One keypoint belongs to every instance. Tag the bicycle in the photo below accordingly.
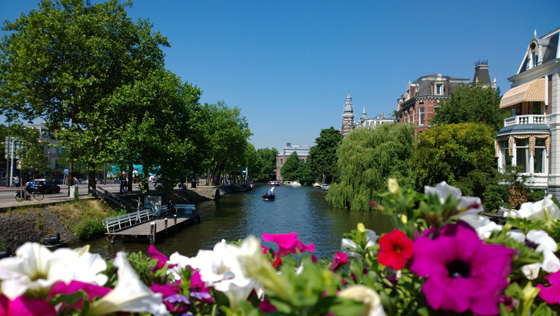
(27, 196)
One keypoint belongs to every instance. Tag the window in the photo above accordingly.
(537, 108)
(539, 164)
(421, 115)
(534, 55)
(281, 162)
(504, 159)
(439, 90)
(522, 153)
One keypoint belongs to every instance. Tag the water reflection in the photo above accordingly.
(303, 210)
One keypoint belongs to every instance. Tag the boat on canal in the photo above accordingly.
(324, 187)
(269, 195)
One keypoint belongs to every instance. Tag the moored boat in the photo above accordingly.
(316, 185)
(324, 187)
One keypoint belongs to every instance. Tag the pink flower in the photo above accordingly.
(339, 260)
(199, 289)
(551, 294)
(91, 290)
(461, 272)
(25, 306)
(161, 258)
(287, 244)
(395, 249)
(169, 292)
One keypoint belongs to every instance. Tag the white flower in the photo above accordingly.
(470, 204)
(349, 247)
(35, 267)
(544, 210)
(546, 245)
(366, 295)
(483, 225)
(180, 262)
(129, 295)
(221, 269)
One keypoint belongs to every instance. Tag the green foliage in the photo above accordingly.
(88, 229)
(305, 174)
(460, 154)
(267, 158)
(291, 166)
(472, 104)
(227, 133)
(322, 157)
(367, 157)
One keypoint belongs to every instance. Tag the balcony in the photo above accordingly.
(524, 120)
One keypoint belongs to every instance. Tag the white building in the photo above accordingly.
(348, 122)
(531, 136)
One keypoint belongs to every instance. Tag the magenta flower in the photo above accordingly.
(25, 306)
(91, 290)
(198, 288)
(551, 294)
(461, 272)
(161, 258)
(287, 244)
(169, 293)
(339, 260)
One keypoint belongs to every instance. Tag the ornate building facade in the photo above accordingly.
(531, 136)
(348, 122)
(418, 104)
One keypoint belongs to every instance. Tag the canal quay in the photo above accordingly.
(303, 210)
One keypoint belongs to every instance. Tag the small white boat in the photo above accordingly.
(316, 185)
(296, 184)
(324, 187)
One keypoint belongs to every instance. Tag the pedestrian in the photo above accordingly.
(170, 206)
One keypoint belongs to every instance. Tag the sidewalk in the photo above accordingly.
(10, 202)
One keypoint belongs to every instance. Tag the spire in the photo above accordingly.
(535, 33)
(348, 107)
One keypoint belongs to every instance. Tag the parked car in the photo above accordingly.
(42, 185)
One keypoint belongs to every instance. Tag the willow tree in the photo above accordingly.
(367, 157)
(64, 61)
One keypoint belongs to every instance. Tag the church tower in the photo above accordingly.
(347, 117)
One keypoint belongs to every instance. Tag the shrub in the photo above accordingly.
(88, 229)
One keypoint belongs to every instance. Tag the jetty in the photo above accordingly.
(151, 224)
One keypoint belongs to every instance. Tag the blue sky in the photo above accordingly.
(288, 65)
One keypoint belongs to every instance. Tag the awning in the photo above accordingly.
(528, 92)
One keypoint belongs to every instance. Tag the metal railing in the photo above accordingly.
(525, 119)
(142, 216)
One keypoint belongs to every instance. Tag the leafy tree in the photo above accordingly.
(460, 154)
(227, 134)
(268, 158)
(159, 126)
(472, 104)
(64, 61)
(367, 157)
(30, 150)
(305, 174)
(291, 166)
(322, 157)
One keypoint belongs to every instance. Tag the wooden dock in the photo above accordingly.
(145, 225)
(154, 230)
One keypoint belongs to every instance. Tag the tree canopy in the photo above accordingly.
(290, 168)
(460, 154)
(472, 104)
(65, 61)
(322, 157)
(267, 167)
(367, 157)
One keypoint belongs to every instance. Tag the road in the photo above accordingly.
(7, 199)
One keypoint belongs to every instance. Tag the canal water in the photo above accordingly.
(303, 210)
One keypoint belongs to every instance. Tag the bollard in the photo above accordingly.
(153, 232)
(175, 221)
(165, 225)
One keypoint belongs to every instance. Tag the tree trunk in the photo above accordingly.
(91, 181)
(130, 169)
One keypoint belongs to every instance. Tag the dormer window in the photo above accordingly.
(533, 55)
(439, 89)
